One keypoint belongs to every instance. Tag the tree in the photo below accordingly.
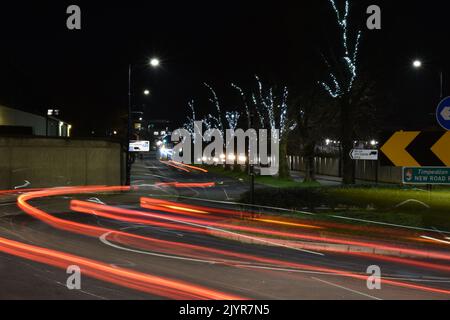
(273, 113)
(189, 125)
(215, 121)
(315, 122)
(343, 71)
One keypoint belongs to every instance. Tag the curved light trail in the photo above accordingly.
(172, 215)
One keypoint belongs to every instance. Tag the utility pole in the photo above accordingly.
(251, 167)
(128, 160)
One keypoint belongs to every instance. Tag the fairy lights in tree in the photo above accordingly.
(338, 86)
(244, 99)
(232, 118)
(273, 109)
(210, 118)
(189, 125)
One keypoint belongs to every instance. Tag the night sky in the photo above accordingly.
(84, 73)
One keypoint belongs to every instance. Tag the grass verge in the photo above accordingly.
(396, 205)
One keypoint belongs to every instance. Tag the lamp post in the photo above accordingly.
(417, 64)
(154, 62)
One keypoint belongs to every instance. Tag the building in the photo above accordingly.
(158, 130)
(17, 122)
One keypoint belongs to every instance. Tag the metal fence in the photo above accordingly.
(369, 171)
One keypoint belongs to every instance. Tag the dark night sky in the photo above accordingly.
(84, 73)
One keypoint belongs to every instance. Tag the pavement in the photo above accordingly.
(330, 181)
(164, 249)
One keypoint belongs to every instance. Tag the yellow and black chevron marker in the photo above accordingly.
(416, 149)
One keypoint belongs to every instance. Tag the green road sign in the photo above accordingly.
(426, 175)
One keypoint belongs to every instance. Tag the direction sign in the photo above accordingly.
(139, 146)
(426, 175)
(416, 149)
(364, 154)
(443, 113)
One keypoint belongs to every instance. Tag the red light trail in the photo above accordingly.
(186, 217)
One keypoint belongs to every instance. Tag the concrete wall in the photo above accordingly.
(364, 170)
(49, 162)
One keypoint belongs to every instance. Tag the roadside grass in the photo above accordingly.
(397, 205)
(263, 180)
(403, 205)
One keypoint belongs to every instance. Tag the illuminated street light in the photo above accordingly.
(417, 63)
(154, 62)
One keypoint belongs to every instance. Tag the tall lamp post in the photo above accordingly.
(154, 62)
(417, 64)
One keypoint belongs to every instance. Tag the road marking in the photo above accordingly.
(26, 184)
(389, 224)
(413, 201)
(104, 241)
(434, 239)
(241, 235)
(96, 200)
(157, 176)
(310, 213)
(347, 289)
(248, 205)
(437, 280)
(269, 242)
(226, 194)
(246, 236)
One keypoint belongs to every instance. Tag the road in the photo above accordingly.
(159, 241)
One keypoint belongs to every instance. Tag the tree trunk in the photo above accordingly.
(348, 165)
(310, 174)
(284, 165)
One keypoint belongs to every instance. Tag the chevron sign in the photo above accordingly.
(416, 149)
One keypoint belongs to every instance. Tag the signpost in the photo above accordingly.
(443, 113)
(139, 146)
(364, 154)
(426, 175)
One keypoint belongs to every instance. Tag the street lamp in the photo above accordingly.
(153, 62)
(417, 64)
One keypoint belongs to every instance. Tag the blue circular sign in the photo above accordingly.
(443, 113)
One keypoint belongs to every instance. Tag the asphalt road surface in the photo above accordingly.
(175, 246)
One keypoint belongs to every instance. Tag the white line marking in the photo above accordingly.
(438, 280)
(414, 201)
(389, 224)
(347, 289)
(26, 184)
(96, 200)
(434, 239)
(104, 241)
(245, 236)
(226, 194)
(234, 233)
(248, 205)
